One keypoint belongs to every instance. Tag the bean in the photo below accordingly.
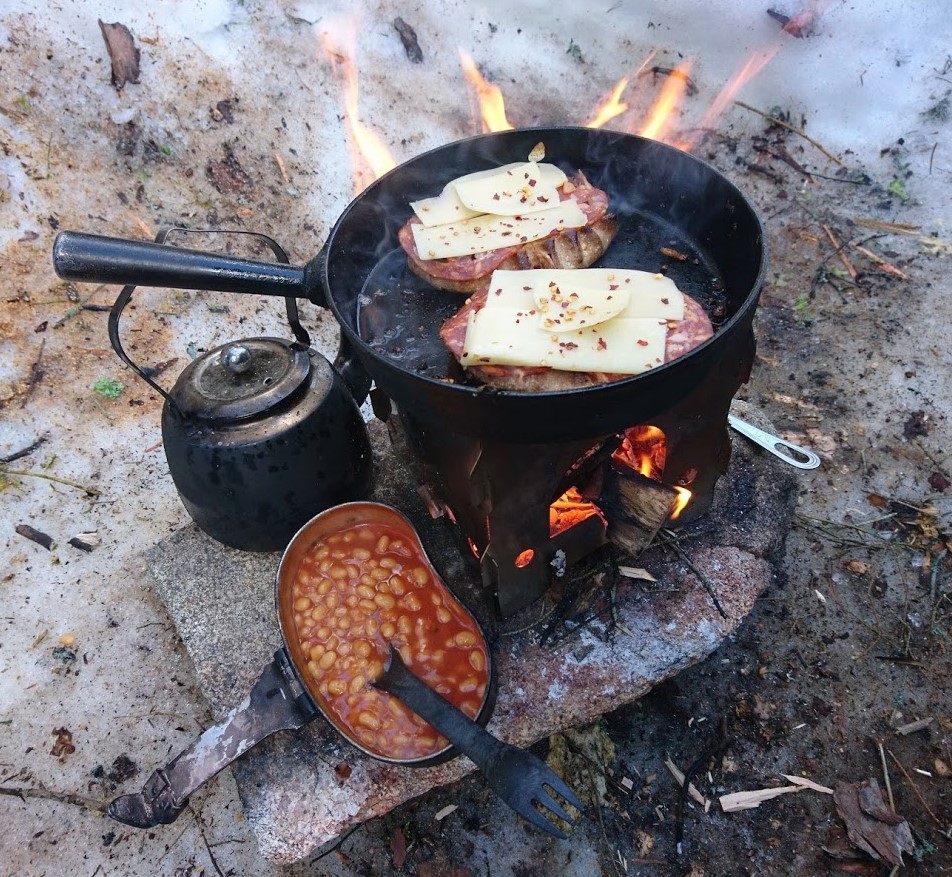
(302, 603)
(353, 571)
(387, 563)
(327, 660)
(420, 574)
(368, 720)
(343, 623)
(443, 615)
(336, 687)
(383, 543)
(469, 684)
(406, 655)
(318, 612)
(323, 633)
(466, 638)
(356, 684)
(404, 625)
(397, 586)
(339, 553)
(367, 605)
(385, 601)
(351, 601)
(337, 572)
(477, 660)
(316, 651)
(366, 591)
(322, 553)
(388, 630)
(363, 648)
(412, 602)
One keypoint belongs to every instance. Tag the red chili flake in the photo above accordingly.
(527, 288)
(496, 196)
(568, 345)
(523, 238)
(532, 182)
(642, 342)
(506, 234)
(543, 199)
(499, 291)
(602, 344)
(477, 229)
(664, 301)
(565, 304)
(613, 286)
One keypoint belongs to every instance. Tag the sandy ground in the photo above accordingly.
(850, 644)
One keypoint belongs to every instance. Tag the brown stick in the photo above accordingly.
(880, 262)
(839, 252)
(24, 792)
(915, 789)
(775, 121)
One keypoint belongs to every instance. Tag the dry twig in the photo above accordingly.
(775, 121)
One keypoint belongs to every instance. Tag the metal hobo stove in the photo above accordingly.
(529, 511)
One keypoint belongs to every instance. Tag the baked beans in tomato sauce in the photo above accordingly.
(356, 591)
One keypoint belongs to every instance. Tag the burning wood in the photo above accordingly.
(636, 506)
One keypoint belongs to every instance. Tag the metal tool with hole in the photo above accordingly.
(790, 453)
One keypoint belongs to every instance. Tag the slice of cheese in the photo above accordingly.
(514, 191)
(595, 294)
(568, 305)
(509, 336)
(447, 207)
(483, 233)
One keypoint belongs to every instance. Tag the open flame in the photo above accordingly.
(662, 112)
(492, 105)
(371, 158)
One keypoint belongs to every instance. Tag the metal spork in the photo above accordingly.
(517, 776)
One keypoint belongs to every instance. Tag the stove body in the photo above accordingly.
(501, 493)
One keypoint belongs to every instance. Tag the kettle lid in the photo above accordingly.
(241, 379)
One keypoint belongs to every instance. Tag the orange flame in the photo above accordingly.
(659, 117)
(492, 105)
(684, 497)
(371, 159)
(748, 70)
(610, 107)
(569, 509)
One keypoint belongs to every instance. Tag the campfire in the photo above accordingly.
(529, 511)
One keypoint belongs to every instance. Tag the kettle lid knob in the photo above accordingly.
(236, 358)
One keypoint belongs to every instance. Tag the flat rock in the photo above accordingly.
(301, 790)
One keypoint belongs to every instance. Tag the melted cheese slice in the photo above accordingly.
(572, 299)
(517, 190)
(510, 336)
(483, 233)
(447, 206)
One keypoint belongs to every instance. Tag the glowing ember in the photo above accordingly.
(524, 558)
(568, 510)
(644, 450)
(371, 153)
(492, 106)
(671, 93)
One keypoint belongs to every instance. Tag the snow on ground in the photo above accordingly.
(868, 75)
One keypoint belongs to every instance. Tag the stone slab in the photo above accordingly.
(301, 790)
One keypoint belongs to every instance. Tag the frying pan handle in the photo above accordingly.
(97, 259)
(277, 701)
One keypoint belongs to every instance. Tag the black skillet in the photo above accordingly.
(664, 198)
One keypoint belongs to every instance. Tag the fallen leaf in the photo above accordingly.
(122, 53)
(63, 745)
(398, 848)
(870, 825)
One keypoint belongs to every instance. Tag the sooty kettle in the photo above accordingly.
(260, 434)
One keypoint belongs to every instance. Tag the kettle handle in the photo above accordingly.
(302, 339)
